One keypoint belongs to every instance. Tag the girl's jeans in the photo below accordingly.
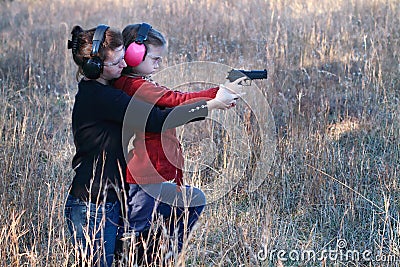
(179, 207)
(93, 229)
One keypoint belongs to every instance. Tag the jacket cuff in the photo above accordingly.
(186, 113)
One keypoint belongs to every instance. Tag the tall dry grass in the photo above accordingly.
(333, 88)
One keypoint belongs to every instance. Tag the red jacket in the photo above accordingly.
(157, 157)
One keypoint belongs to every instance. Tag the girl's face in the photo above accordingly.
(113, 64)
(152, 61)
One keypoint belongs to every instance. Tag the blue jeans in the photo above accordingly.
(164, 199)
(93, 229)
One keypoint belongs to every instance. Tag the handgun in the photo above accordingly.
(235, 74)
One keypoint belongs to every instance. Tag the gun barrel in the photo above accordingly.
(235, 74)
(255, 74)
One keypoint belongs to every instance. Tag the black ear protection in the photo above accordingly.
(93, 67)
(136, 51)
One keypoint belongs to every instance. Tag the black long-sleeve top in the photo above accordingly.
(103, 120)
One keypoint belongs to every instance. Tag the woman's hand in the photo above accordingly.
(227, 95)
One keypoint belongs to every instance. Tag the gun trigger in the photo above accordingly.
(247, 82)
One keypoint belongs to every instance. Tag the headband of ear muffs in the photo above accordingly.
(136, 51)
(93, 67)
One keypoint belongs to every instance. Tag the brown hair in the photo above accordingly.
(154, 37)
(82, 41)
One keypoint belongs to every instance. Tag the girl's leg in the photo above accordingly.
(182, 208)
(141, 202)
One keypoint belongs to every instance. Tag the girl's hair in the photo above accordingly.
(129, 34)
(82, 42)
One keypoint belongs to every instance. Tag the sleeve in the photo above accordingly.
(141, 116)
(137, 115)
(162, 96)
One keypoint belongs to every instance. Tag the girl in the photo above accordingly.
(157, 157)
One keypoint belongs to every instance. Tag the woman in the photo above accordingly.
(93, 206)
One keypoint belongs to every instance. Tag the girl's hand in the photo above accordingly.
(227, 95)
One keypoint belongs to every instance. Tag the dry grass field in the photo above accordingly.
(333, 88)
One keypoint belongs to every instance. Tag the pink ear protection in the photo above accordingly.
(136, 51)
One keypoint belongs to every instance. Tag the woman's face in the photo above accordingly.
(114, 64)
(152, 61)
